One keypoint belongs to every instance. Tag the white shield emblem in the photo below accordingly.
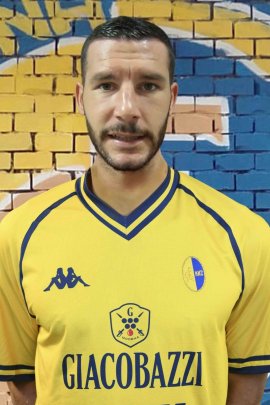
(130, 324)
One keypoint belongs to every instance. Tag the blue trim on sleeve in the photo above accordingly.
(17, 367)
(250, 370)
(17, 378)
(224, 225)
(29, 233)
(142, 224)
(127, 220)
(252, 358)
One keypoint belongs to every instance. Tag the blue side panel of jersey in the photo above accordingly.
(224, 225)
(30, 232)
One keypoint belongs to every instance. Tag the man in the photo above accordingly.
(172, 306)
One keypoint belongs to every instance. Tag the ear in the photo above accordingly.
(79, 97)
(174, 94)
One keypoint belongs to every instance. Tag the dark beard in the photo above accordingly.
(130, 128)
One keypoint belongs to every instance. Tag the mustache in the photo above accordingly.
(131, 128)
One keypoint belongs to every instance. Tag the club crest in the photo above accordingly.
(130, 324)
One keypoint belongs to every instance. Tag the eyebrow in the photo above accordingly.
(100, 76)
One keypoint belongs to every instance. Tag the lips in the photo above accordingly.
(125, 137)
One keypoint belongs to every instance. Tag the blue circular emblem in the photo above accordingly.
(193, 274)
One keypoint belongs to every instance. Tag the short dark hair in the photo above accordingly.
(128, 28)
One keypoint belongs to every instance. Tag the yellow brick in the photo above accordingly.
(85, 10)
(47, 104)
(55, 26)
(5, 122)
(264, 64)
(263, 47)
(5, 204)
(214, 29)
(24, 66)
(184, 11)
(83, 143)
(5, 30)
(21, 22)
(5, 161)
(18, 141)
(181, 25)
(71, 49)
(70, 123)
(7, 84)
(66, 84)
(251, 29)
(33, 8)
(32, 160)
(123, 8)
(158, 9)
(7, 46)
(33, 122)
(225, 14)
(55, 142)
(245, 46)
(72, 161)
(14, 181)
(54, 64)
(78, 66)
(6, 12)
(16, 103)
(34, 85)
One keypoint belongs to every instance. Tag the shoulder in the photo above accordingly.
(19, 220)
(237, 216)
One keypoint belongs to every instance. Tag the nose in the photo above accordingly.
(126, 106)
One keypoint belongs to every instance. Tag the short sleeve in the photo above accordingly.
(18, 331)
(248, 328)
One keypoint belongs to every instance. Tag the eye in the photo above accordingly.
(148, 86)
(106, 86)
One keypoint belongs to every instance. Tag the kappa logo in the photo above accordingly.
(70, 280)
(130, 324)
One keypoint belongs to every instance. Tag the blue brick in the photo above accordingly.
(193, 161)
(196, 85)
(82, 28)
(243, 70)
(263, 7)
(185, 48)
(245, 197)
(169, 157)
(7, 4)
(183, 67)
(262, 87)
(177, 146)
(262, 123)
(265, 215)
(252, 141)
(206, 146)
(263, 200)
(234, 86)
(253, 181)
(241, 124)
(263, 161)
(218, 180)
(235, 161)
(253, 105)
(213, 66)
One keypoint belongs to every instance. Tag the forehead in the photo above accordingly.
(120, 53)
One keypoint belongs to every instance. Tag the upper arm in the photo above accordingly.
(248, 327)
(245, 389)
(18, 331)
(23, 393)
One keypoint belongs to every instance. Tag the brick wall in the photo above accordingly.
(219, 132)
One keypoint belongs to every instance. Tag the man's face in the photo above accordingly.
(126, 100)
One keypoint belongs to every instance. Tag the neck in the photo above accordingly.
(125, 191)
